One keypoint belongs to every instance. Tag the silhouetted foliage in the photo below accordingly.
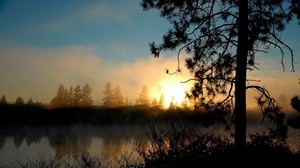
(30, 101)
(126, 103)
(108, 95)
(61, 98)
(222, 38)
(154, 102)
(143, 98)
(182, 145)
(295, 103)
(19, 101)
(77, 95)
(3, 100)
(118, 97)
(295, 121)
(86, 99)
(72, 98)
(161, 100)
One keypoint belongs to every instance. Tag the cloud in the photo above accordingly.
(85, 14)
(282, 85)
(36, 73)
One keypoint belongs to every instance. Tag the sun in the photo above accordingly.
(173, 91)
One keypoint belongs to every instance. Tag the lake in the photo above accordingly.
(115, 143)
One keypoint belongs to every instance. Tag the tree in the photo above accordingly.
(295, 121)
(161, 100)
(295, 103)
(86, 96)
(126, 101)
(3, 100)
(118, 98)
(108, 95)
(77, 96)
(143, 96)
(70, 97)
(19, 101)
(61, 98)
(154, 102)
(30, 101)
(222, 38)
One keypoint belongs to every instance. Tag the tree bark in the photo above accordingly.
(240, 80)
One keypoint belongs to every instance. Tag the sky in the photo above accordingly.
(46, 43)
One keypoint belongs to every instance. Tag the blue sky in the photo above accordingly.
(46, 43)
(118, 29)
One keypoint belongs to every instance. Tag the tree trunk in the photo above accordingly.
(240, 80)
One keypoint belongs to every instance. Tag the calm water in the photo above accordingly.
(113, 142)
(117, 142)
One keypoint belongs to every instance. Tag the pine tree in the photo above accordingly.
(118, 99)
(108, 95)
(154, 102)
(61, 98)
(143, 96)
(161, 100)
(77, 96)
(30, 101)
(19, 101)
(86, 96)
(70, 97)
(222, 38)
(3, 100)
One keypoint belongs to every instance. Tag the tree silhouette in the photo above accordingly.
(30, 101)
(3, 100)
(19, 101)
(77, 96)
(61, 98)
(161, 100)
(154, 102)
(295, 103)
(222, 38)
(70, 96)
(108, 95)
(143, 96)
(86, 99)
(295, 120)
(126, 103)
(118, 98)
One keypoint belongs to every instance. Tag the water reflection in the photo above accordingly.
(115, 142)
(69, 141)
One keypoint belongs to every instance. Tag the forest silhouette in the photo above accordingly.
(223, 39)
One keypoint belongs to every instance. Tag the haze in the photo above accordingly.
(47, 43)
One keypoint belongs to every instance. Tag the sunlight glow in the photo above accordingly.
(173, 91)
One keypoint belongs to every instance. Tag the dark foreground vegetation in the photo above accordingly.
(176, 144)
(184, 146)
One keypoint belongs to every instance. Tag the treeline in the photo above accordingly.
(81, 97)
(114, 97)
(78, 97)
(19, 101)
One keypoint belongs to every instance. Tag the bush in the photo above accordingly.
(185, 146)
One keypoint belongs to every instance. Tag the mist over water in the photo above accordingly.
(112, 142)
